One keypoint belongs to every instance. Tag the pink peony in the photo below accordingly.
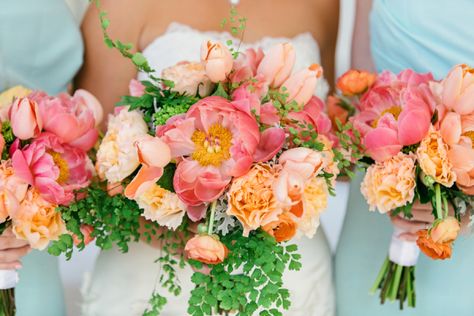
(72, 119)
(216, 141)
(53, 168)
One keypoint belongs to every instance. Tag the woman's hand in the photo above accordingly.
(12, 250)
(422, 219)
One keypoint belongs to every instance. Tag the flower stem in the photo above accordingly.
(380, 276)
(210, 228)
(439, 210)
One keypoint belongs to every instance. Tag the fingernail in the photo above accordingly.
(18, 266)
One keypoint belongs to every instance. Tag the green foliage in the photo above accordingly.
(237, 25)
(9, 138)
(116, 220)
(349, 141)
(166, 180)
(260, 285)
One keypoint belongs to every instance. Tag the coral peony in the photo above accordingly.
(37, 221)
(390, 184)
(206, 249)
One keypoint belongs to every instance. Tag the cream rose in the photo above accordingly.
(117, 156)
(189, 78)
(390, 184)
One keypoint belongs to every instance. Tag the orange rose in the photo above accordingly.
(355, 82)
(251, 198)
(206, 249)
(282, 229)
(446, 230)
(431, 248)
(37, 221)
(432, 154)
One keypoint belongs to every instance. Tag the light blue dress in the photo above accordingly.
(425, 35)
(40, 48)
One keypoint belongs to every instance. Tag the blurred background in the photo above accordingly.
(75, 271)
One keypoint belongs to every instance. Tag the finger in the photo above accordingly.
(408, 226)
(408, 237)
(11, 255)
(423, 216)
(15, 265)
(422, 206)
(8, 232)
(11, 242)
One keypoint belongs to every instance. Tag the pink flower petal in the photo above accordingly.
(271, 141)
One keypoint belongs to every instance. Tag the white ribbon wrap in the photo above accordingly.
(404, 253)
(8, 279)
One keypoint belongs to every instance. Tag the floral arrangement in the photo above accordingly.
(226, 158)
(415, 139)
(44, 143)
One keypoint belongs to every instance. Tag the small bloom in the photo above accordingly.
(25, 118)
(390, 184)
(206, 249)
(431, 248)
(355, 82)
(446, 230)
(217, 60)
(283, 229)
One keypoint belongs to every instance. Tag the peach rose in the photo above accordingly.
(189, 78)
(37, 221)
(217, 60)
(431, 248)
(206, 249)
(162, 206)
(315, 201)
(283, 229)
(355, 82)
(446, 230)
(432, 154)
(251, 198)
(390, 184)
(12, 191)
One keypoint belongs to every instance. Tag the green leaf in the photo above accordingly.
(138, 59)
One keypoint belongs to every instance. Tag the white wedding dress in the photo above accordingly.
(121, 284)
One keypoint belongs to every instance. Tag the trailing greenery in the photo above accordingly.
(250, 278)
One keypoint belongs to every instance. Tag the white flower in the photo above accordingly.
(117, 156)
(162, 206)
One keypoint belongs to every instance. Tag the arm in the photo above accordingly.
(105, 72)
(361, 55)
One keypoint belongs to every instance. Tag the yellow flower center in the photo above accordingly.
(61, 163)
(470, 134)
(394, 110)
(214, 147)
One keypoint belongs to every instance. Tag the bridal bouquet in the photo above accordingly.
(416, 134)
(44, 143)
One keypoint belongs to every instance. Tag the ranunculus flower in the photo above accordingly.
(277, 64)
(283, 229)
(206, 249)
(217, 141)
(301, 85)
(245, 67)
(217, 60)
(355, 82)
(446, 230)
(72, 119)
(25, 118)
(432, 155)
(189, 78)
(251, 198)
(395, 112)
(53, 168)
(117, 157)
(161, 206)
(86, 231)
(390, 184)
(37, 221)
(7, 97)
(431, 248)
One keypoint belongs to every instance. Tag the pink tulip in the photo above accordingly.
(56, 170)
(450, 128)
(245, 67)
(246, 101)
(25, 118)
(301, 86)
(153, 152)
(277, 64)
(145, 178)
(217, 60)
(458, 90)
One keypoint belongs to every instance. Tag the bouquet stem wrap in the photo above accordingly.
(396, 279)
(8, 281)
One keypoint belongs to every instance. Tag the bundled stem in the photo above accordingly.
(7, 301)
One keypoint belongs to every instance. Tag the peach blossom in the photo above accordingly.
(301, 85)
(217, 60)
(206, 249)
(277, 64)
(25, 118)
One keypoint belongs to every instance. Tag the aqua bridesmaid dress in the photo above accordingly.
(425, 35)
(40, 48)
